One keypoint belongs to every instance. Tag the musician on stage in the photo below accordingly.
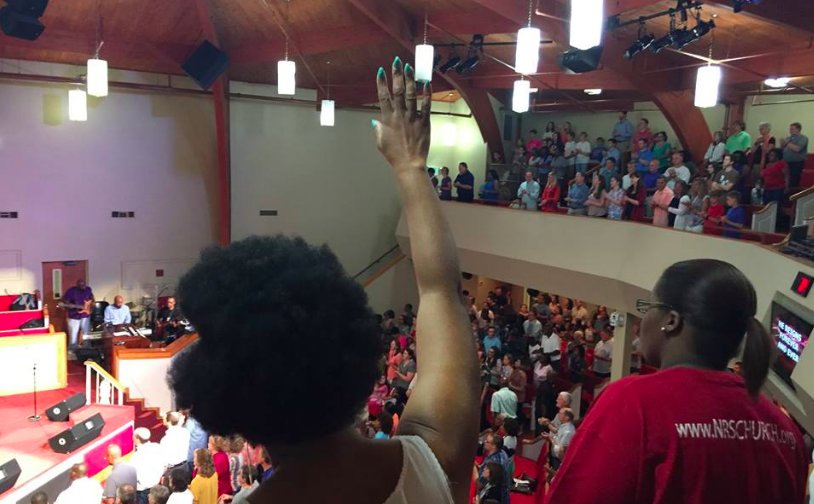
(117, 313)
(168, 319)
(79, 301)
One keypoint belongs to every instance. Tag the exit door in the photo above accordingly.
(58, 277)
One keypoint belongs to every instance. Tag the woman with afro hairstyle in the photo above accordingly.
(265, 345)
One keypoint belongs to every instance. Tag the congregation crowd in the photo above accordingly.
(636, 174)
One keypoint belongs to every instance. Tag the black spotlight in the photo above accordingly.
(663, 42)
(20, 18)
(683, 37)
(581, 61)
(472, 56)
(451, 63)
(436, 60)
(640, 45)
(703, 27)
(737, 5)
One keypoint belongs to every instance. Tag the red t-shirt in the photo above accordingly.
(774, 175)
(682, 435)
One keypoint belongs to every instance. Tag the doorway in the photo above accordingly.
(58, 277)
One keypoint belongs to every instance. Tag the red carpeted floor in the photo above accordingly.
(27, 441)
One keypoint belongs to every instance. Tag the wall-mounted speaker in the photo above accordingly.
(59, 412)
(581, 61)
(9, 472)
(19, 25)
(77, 436)
(206, 64)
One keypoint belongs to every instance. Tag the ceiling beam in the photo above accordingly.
(502, 79)
(401, 27)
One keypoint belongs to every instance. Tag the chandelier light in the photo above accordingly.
(77, 105)
(586, 23)
(424, 57)
(520, 96)
(707, 82)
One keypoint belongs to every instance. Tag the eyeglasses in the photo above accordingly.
(643, 306)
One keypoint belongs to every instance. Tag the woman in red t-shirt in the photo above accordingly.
(551, 194)
(693, 432)
(775, 177)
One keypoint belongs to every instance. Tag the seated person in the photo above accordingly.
(491, 483)
(118, 313)
(169, 319)
(735, 218)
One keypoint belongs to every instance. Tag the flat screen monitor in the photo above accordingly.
(790, 333)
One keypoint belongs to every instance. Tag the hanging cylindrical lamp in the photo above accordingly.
(520, 96)
(97, 77)
(527, 55)
(587, 17)
(707, 82)
(326, 114)
(77, 105)
(286, 77)
(424, 57)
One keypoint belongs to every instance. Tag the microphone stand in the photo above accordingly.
(35, 417)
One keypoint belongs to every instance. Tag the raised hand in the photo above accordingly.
(403, 133)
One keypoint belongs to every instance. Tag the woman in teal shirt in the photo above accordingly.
(661, 150)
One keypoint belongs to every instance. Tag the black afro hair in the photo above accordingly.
(280, 325)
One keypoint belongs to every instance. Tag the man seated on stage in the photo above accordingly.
(168, 319)
(82, 489)
(118, 313)
(78, 300)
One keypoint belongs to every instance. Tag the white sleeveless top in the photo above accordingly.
(422, 479)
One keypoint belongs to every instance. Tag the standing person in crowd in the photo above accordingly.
(218, 448)
(567, 132)
(126, 494)
(608, 170)
(529, 192)
(564, 435)
(504, 402)
(406, 370)
(661, 203)
(82, 490)
(651, 178)
(764, 143)
(465, 183)
(179, 487)
(519, 155)
(631, 169)
(534, 142)
(394, 356)
(551, 194)
(559, 166)
(735, 218)
(265, 469)
(776, 177)
(204, 485)
(122, 473)
(697, 320)
(643, 155)
(247, 481)
(532, 327)
(78, 299)
(661, 150)
(642, 133)
(739, 140)
(680, 207)
(612, 152)
(616, 199)
(149, 461)
(715, 209)
(550, 131)
(727, 178)
(622, 132)
(550, 345)
(577, 195)
(598, 151)
(583, 153)
(198, 437)
(159, 494)
(677, 171)
(493, 454)
(795, 150)
(492, 340)
(699, 201)
(570, 154)
(490, 190)
(603, 354)
(634, 198)
(236, 444)
(175, 442)
(445, 189)
(433, 177)
(716, 150)
(597, 203)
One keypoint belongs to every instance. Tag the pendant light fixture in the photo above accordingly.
(527, 54)
(326, 113)
(77, 105)
(586, 23)
(521, 96)
(97, 68)
(286, 71)
(707, 84)
(424, 57)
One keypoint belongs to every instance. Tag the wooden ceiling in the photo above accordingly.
(342, 42)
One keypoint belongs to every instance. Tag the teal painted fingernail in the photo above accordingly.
(408, 68)
(374, 123)
(380, 72)
(397, 62)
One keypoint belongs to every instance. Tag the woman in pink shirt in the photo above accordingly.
(661, 203)
(219, 446)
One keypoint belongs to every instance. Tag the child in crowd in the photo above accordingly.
(757, 192)
(735, 218)
(715, 211)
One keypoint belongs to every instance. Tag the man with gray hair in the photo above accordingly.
(159, 494)
(795, 150)
(149, 461)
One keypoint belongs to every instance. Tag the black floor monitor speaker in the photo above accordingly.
(59, 412)
(206, 64)
(9, 472)
(33, 8)
(19, 25)
(581, 61)
(77, 436)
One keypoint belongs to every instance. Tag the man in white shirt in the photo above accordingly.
(83, 490)
(631, 169)
(603, 355)
(532, 327)
(175, 442)
(583, 152)
(149, 462)
(118, 312)
(529, 192)
(550, 342)
(570, 154)
(678, 171)
(580, 312)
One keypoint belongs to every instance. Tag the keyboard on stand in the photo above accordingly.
(803, 249)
